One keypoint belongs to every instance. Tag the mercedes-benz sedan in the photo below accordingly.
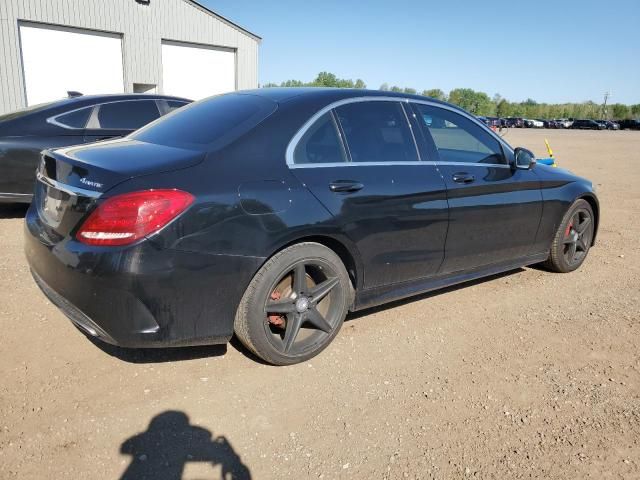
(272, 213)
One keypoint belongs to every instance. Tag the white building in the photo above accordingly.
(175, 47)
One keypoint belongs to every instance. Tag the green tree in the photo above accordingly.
(504, 109)
(635, 110)
(384, 87)
(292, 83)
(396, 89)
(360, 84)
(477, 103)
(410, 91)
(620, 111)
(435, 93)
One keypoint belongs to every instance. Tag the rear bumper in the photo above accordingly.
(140, 296)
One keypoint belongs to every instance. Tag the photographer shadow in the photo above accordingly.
(171, 442)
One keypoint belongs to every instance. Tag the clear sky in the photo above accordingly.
(551, 51)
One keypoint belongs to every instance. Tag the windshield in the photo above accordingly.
(215, 120)
(23, 111)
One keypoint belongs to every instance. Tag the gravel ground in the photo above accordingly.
(524, 375)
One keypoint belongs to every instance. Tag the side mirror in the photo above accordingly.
(525, 159)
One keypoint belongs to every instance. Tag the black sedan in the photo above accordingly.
(80, 119)
(272, 213)
(587, 125)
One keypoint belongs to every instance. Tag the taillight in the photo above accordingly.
(125, 218)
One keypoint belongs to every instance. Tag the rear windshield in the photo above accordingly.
(208, 123)
(23, 111)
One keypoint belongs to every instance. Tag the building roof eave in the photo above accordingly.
(225, 20)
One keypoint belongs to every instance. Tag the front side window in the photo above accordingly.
(127, 115)
(457, 138)
(320, 143)
(377, 131)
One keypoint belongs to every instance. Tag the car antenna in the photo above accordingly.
(73, 94)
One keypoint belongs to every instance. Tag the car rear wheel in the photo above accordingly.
(573, 239)
(295, 304)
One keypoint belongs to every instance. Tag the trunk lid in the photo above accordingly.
(71, 180)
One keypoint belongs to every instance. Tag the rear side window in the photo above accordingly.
(76, 119)
(377, 132)
(457, 138)
(174, 105)
(320, 144)
(211, 121)
(127, 115)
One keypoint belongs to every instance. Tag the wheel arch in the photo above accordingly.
(595, 206)
(348, 254)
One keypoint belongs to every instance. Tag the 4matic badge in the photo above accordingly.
(89, 183)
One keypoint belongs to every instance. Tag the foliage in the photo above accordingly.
(479, 103)
(435, 93)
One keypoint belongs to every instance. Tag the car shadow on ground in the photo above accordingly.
(13, 210)
(171, 443)
(159, 355)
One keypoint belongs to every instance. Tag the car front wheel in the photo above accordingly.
(294, 305)
(573, 238)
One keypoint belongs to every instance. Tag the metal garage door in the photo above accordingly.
(58, 59)
(197, 71)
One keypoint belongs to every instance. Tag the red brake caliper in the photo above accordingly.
(275, 319)
(569, 227)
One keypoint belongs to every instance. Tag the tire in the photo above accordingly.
(572, 241)
(295, 304)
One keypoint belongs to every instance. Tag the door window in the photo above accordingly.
(127, 115)
(377, 131)
(457, 138)
(320, 143)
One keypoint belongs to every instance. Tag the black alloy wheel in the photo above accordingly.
(295, 305)
(573, 239)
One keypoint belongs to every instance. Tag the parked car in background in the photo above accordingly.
(629, 124)
(530, 123)
(563, 122)
(587, 125)
(272, 213)
(75, 120)
(514, 122)
(609, 125)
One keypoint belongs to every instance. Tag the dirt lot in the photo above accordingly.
(528, 374)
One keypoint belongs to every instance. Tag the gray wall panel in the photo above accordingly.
(143, 28)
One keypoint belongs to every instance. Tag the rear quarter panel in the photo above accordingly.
(19, 157)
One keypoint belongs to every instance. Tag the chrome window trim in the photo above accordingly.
(293, 143)
(94, 114)
(388, 164)
(75, 191)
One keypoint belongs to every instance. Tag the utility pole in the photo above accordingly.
(604, 108)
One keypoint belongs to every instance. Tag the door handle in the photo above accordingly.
(463, 177)
(345, 186)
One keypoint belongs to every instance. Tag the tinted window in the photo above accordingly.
(174, 105)
(457, 138)
(321, 143)
(216, 119)
(77, 119)
(128, 115)
(377, 132)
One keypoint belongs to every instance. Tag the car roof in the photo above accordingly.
(330, 95)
